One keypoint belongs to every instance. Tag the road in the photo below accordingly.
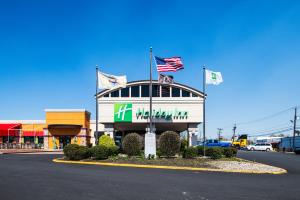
(30, 177)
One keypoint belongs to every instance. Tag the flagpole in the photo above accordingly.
(150, 91)
(96, 135)
(204, 98)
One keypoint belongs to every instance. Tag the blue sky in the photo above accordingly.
(49, 50)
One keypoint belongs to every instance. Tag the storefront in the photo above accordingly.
(61, 127)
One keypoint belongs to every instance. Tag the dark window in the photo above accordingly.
(135, 91)
(106, 95)
(185, 93)
(145, 90)
(115, 93)
(175, 92)
(165, 91)
(125, 92)
(194, 95)
(156, 91)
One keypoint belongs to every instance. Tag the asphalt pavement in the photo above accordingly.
(28, 177)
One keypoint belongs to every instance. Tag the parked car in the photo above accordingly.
(260, 147)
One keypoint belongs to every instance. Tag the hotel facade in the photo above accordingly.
(176, 107)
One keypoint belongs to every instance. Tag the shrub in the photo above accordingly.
(100, 152)
(200, 150)
(132, 144)
(169, 143)
(183, 145)
(113, 151)
(214, 152)
(76, 152)
(158, 153)
(229, 152)
(107, 141)
(190, 152)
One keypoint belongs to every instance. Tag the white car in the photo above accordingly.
(260, 147)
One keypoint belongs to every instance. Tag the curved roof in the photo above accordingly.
(141, 82)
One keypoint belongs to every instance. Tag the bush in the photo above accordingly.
(200, 150)
(132, 144)
(183, 145)
(113, 151)
(229, 152)
(107, 141)
(169, 143)
(158, 153)
(214, 152)
(190, 152)
(76, 152)
(100, 152)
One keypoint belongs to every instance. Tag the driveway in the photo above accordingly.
(30, 177)
(288, 161)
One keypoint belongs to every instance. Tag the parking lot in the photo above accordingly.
(37, 177)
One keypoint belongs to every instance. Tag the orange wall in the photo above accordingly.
(72, 118)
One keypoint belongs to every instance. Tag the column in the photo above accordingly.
(46, 138)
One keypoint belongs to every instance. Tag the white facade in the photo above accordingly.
(176, 107)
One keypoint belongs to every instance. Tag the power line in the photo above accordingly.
(265, 118)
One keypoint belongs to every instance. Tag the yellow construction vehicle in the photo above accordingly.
(241, 142)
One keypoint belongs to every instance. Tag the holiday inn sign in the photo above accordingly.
(123, 112)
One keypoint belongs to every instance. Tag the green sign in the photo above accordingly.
(162, 114)
(123, 112)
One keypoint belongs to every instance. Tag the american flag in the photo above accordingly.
(168, 64)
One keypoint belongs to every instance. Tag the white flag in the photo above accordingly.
(107, 81)
(214, 78)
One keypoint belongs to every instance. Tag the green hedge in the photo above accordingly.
(76, 152)
(214, 152)
(190, 152)
(229, 152)
(169, 143)
(100, 152)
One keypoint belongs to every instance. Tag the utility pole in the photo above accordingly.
(234, 129)
(295, 125)
(219, 133)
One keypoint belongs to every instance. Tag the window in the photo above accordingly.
(145, 91)
(185, 93)
(115, 93)
(165, 91)
(106, 95)
(194, 95)
(175, 92)
(135, 91)
(125, 92)
(156, 91)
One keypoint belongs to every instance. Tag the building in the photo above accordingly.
(61, 127)
(176, 107)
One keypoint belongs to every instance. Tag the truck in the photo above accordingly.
(241, 142)
(217, 143)
(286, 144)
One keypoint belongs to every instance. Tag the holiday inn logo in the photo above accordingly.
(123, 112)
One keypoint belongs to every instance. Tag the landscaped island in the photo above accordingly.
(172, 153)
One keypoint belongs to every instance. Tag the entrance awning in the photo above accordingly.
(9, 129)
(64, 126)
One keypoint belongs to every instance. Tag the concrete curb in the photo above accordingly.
(280, 171)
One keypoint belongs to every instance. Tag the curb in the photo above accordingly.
(281, 171)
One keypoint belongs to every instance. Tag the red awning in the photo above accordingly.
(9, 129)
(33, 133)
